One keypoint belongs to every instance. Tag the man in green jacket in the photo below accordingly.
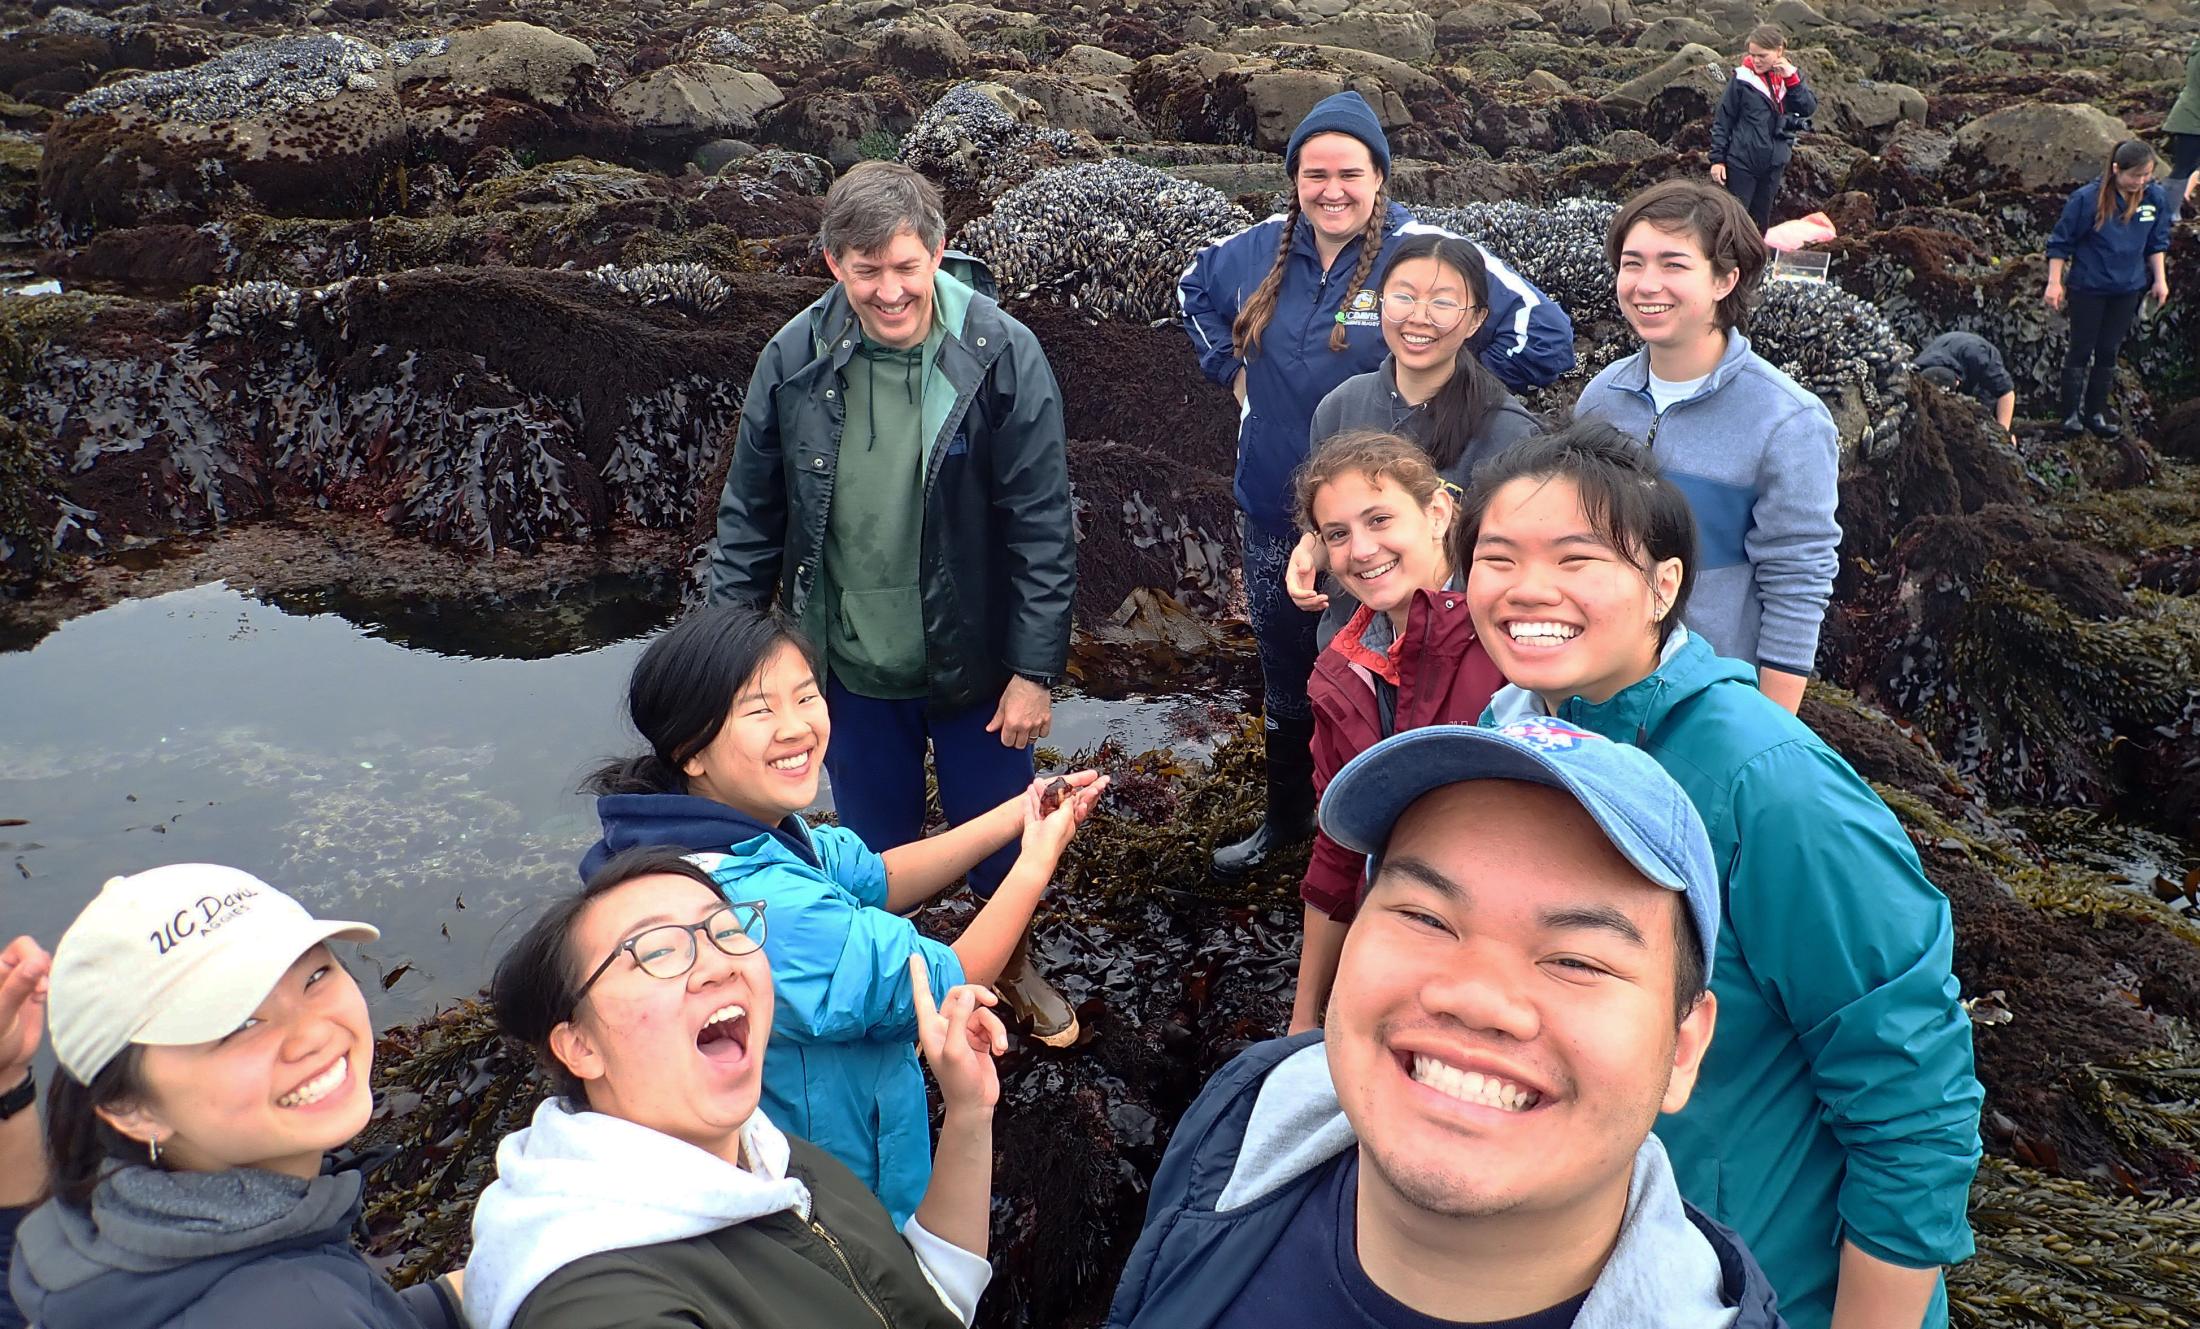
(900, 485)
(2183, 128)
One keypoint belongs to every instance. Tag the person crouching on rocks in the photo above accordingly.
(1431, 388)
(2106, 256)
(653, 1189)
(1407, 658)
(1756, 452)
(1753, 131)
(212, 1049)
(1968, 363)
(1468, 1141)
(729, 702)
(1834, 1124)
(900, 486)
(1281, 313)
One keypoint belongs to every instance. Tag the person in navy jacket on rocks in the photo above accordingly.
(1281, 313)
(1753, 131)
(2105, 257)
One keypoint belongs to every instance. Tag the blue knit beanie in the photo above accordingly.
(1343, 113)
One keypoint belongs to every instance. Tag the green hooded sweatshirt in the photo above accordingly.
(897, 406)
(2184, 116)
(1838, 1099)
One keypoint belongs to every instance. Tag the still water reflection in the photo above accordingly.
(392, 763)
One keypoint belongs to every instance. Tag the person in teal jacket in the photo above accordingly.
(1835, 1123)
(729, 702)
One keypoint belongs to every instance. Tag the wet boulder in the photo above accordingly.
(1264, 100)
(692, 100)
(1694, 66)
(1674, 32)
(1482, 20)
(509, 59)
(2035, 145)
(1083, 59)
(1406, 35)
(1095, 104)
(297, 126)
(925, 50)
(1868, 113)
(840, 125)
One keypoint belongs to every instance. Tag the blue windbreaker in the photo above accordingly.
(1527, 342)
(2113, 259)
(841, 1068)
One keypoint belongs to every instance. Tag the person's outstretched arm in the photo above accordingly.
(917, 871)
(984, 946)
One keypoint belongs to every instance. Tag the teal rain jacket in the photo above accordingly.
(1837, 1101)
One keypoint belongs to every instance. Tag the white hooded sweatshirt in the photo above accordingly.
(565, 1190)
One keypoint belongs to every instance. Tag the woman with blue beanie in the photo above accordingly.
(2103, 260)
(1281, 313)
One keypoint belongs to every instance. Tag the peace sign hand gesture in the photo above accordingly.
(959, 1041)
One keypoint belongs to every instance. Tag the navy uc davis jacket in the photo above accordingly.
(2111, 260)
(1256, 1143)
(1527, 341)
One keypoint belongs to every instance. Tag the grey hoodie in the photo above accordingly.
(224, 1250)
(1251, 1147)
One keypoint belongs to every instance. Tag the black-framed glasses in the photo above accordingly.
(1442, 311)
(668, 950)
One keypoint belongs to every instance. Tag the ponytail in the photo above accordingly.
(643, 774)
(1371, 248)
(1252, 320)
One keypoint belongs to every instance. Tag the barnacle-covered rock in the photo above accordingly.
(252, 306)
(295, 126)
(690, 287)
(969, 143)
(1107, 238)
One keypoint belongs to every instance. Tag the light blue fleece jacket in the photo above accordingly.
(1758, 457)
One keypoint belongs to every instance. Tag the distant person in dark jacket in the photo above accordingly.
(1968, 363)
(2183, 128)
(212, 1050)
(1753, 130)
(1469, 1138)
(1431, 388)
(2105, 257)
(900, 486)
(23, 968)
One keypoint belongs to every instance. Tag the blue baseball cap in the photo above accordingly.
(1640, 809)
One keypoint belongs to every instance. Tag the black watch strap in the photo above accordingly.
(1047, 681)
(20, 1097)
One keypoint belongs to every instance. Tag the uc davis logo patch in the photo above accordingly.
(1548, 734)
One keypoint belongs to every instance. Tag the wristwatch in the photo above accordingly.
(1047, 681)
(20, 1097)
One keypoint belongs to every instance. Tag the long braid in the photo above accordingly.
(1371, 248)
(1253, 319)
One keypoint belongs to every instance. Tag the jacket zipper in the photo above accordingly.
(854, 1283)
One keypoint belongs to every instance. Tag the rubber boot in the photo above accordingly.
(1290, 814)
(2073, 386)
(1045, 1013)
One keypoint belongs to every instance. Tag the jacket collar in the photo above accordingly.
(1666, 1271)
(1633, 373)
(1751, 78)
(701, 825)
(1686, 666)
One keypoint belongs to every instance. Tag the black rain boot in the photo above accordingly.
(1290, 815)
(2100, 426)
(2073, 386)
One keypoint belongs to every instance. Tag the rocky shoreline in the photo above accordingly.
(419, 298)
